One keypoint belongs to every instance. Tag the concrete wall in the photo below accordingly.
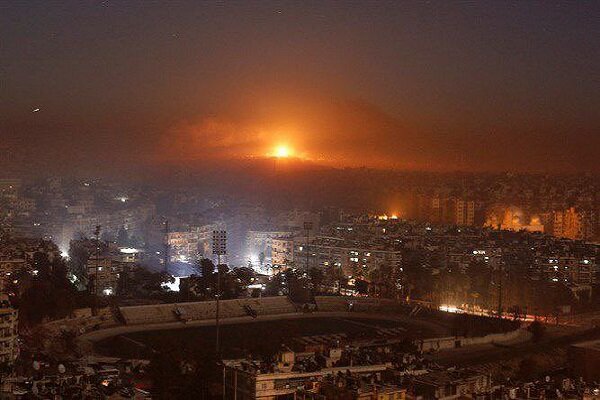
(454, 342)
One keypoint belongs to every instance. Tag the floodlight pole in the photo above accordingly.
(219, 249)
(217, 344)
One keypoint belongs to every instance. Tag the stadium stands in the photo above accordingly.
(337, 303)
(330, 303)
(357, 304)
(198, 311)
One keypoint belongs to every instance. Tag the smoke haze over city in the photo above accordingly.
(432, 86)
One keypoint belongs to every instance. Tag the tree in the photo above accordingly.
(362, 286)
(418, 278)
(292, 283)
(276, 286)
(206, 268)
(537, 330)
(204, 286)
(334, 277)
(49, 295)
(316, 277)
(230, 285)
(298, 286)
(245, 275)
(148, 284)
(80, 252)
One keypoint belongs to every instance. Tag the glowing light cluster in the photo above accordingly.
(450, 309)
(282, 151)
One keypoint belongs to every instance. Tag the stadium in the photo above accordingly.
(138, 331)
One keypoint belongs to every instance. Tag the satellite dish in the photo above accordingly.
(61, 369)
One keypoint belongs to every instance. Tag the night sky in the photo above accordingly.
(476, 85)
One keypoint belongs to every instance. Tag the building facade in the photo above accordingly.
(350, 257)
(9, 322)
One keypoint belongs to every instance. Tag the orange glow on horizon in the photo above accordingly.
(385, 217)
(282, 151)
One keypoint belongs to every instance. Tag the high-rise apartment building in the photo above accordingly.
(464, 212)
(574, 223)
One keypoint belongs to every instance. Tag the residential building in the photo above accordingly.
(9, 322)
(574, 223)
(248, 379)
(105, 273)
(352, 257)
(448, 385)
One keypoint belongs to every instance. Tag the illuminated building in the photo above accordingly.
(262, 242)
(351, 257)
(437, 211)
(193, 244)
(573, 223)
(568, 269)
(463, 212)
(18, 255)
(106, 273)
(442, 209)
(131, 219)
(9, 322)
(9, 267)
(432, 209)
(282, 251)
